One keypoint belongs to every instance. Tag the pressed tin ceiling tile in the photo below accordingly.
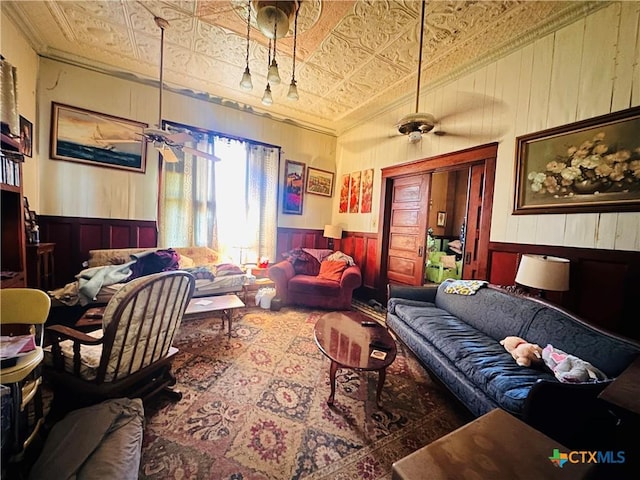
(353, 57)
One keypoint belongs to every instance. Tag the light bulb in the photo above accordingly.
(293, 91)
(267, 99)
(246, 82)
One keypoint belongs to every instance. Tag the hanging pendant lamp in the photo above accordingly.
(293, 87)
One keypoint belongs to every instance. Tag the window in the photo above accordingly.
(229, 205)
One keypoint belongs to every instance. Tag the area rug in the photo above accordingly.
(254, 407)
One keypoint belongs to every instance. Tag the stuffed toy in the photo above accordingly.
(523, 352)
(569, 368)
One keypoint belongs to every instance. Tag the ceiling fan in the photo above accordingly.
(415, 124)
(170, 143)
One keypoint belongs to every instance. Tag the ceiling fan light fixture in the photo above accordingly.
(416, 122)
(267, 98)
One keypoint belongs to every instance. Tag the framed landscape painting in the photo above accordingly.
(588, 166)
(79, 135)
(293, 187)
(319, 182)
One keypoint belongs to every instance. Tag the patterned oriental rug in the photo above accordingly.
(254, 407)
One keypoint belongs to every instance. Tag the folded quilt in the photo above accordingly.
(464, 287)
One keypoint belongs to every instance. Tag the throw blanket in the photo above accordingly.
(341, 257)
(569, 368)
(91, 280)
(464, 287)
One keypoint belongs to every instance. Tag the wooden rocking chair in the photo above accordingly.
(131, 355)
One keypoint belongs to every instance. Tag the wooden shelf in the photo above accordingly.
(12, 251)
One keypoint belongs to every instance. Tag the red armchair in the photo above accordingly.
(312, 291)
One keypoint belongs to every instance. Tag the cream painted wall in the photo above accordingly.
(589, 68)
(18, 52)
(74, 189)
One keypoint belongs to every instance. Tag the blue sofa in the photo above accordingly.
(456, 337)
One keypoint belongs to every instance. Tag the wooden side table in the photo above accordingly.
(496, 446)
(40, 266)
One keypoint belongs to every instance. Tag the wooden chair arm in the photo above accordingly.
(67, 333)
(59, 333)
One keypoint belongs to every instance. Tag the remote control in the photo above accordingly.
(367, 323)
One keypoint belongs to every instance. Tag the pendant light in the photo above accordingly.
(274, 76)
(246, 82)
(293, 88)
(267, 99)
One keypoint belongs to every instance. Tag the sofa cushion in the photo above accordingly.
(610, 354)
(308, 284)
(332, 270)
(491, 311)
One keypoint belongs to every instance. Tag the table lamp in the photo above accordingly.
(543, 273)
(331, 232)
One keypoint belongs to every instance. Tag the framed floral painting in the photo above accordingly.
(588, 166)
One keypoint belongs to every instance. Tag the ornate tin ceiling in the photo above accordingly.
(353, 57)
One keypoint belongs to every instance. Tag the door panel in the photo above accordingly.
(405, 254)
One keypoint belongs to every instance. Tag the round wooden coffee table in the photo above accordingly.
(348, 344)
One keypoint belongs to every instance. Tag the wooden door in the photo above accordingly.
(478, 223)
(407, 227)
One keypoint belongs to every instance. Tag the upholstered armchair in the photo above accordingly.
(131, 355)
(328, 284)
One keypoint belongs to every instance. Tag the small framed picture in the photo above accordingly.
(319, 182)
(441, 221)
(26, 137)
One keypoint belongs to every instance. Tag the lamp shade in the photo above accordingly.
(332, 231)
(544, 272)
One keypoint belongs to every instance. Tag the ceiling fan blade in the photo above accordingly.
(178, 137)
(199, 153)
(168, 153)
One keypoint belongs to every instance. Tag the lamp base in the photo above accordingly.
(330, 243)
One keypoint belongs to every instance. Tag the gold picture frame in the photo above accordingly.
(319, 182)
(587, 166)
(92, 138)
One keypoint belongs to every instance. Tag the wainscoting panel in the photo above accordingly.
(603, 285)
(75, 236)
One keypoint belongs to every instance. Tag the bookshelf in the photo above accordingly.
(13, 251)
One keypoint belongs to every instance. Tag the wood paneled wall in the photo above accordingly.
(75, 236)
(604, 285)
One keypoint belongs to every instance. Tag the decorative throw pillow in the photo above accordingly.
(331, 270)
(448, 261)
(226, 269)
(186, 262)
(201, 273)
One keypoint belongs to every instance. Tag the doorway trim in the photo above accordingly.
(483, 156)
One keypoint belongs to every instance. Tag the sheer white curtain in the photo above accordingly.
(230, 206)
